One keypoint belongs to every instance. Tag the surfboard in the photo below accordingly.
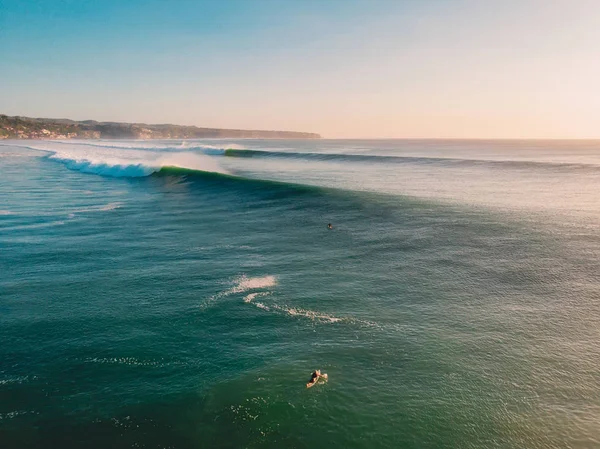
(311, 384)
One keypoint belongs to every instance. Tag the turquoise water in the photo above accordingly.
(145, 302)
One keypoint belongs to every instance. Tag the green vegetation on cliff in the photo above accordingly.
(42, 128)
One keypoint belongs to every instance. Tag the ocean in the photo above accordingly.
(178, 294)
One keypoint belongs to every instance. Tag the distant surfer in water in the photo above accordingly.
(315, 376)
(329, 226)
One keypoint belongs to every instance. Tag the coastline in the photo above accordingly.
(27, 128)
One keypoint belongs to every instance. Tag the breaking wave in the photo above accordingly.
(125, 160)
(136, 164)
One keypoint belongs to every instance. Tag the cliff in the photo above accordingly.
(43, 128)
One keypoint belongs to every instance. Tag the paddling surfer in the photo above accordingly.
(315, 376)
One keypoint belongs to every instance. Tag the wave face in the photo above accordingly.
(387, 159)
(118, 162)
(143, 158)
(508, 175)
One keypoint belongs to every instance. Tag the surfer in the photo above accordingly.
(315, 376)
(329, 226)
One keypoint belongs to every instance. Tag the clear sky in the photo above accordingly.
(343, 68)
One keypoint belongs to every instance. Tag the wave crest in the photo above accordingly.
(133, 164)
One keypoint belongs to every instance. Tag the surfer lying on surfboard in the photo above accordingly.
(315, 376)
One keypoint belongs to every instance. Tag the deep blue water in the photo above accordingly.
(179, 294)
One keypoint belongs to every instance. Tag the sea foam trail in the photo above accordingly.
(16, 380)
(252, 296)
(245, 284)
(259, 287)
(292, 311)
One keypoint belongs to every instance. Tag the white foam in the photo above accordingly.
(131, 361)
(260, 305)
(49, 224)
(14, 414)
(15, 380)
(295, 312)
(125, 161)
(245, 283)
(234, 146)
(313, 315)
(5, 212)
(135, 163)
(252, 296)
(110, 206)
(100, 208)
(310, 314)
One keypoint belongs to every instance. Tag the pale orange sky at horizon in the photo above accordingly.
(406, 69)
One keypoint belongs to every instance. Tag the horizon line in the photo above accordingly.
(322, 137)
